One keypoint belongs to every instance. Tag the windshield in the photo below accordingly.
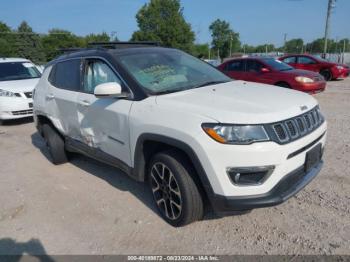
(319, 57)
(18, 71)
(277, 65)
(168, 71)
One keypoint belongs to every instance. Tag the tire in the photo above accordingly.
(327, 75)
(174, 191)
(283, 84)
(55, 144)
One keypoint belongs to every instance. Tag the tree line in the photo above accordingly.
(158, 20)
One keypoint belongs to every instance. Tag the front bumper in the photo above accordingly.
(290, 185)
(15, 107)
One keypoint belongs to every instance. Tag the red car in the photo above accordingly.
(271, 71)
(328, 69)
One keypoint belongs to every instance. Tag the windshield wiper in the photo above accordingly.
(209, 83)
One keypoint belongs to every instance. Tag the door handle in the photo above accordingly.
(84, 103)
(50, 97)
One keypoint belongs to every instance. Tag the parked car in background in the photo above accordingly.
(18, 77)
(328, 70)
(197, 137)
(271, 71)
(213, 62)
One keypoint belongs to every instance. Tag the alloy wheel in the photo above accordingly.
(166, 191)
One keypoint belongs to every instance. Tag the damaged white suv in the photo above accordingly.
(197, 137)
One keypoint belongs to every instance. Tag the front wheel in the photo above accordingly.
(174, 190)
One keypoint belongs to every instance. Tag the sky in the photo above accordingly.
(257, 21)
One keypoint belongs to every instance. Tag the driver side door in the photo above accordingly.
(104, 122)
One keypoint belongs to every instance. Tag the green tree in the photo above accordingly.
(294, 46)
(60, 39)
(28, 44)
(163, 21)
(224, 38)
(104, 37)
(200, 50)
(6, 41)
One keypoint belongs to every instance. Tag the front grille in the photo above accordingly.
(22, 112)
(28, 94)
(297, 127)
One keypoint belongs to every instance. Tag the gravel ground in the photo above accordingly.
(85, 207)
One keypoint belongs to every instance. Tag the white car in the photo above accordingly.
(18, 77)
(197, 137)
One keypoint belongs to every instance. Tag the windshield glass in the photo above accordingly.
(167, 71)
(277, 65)
(319, 57)
(18, 71)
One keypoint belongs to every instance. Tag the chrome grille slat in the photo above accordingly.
(297, 127)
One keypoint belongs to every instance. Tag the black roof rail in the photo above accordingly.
(70, 50)
(116, 45)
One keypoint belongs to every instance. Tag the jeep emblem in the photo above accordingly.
(303, 108)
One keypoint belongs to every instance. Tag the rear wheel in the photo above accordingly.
(326, 74)
(55, 144)
(283, 84)
(175, 192)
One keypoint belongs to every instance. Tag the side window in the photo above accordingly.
(234, 66)
(253, 66)
(97, 72)
(305, 60)
(290, 60)
(66, 75)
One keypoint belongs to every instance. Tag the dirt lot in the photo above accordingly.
(85, 207)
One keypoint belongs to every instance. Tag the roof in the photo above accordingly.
(100, 51)
(12, 60)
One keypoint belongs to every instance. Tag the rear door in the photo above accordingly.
(307, 63)
(61, 96)
(104, 122)
(235, 69)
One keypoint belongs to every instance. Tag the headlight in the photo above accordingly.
(7, 93)
(339, 67)
(236, 134)
(303, 79)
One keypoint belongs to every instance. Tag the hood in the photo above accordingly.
(18, 86)
(240, 102)
(299, 72)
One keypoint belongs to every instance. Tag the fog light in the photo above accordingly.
(249, 176)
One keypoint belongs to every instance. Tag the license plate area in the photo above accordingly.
(313, 157)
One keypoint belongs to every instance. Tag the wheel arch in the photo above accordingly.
(149, 144)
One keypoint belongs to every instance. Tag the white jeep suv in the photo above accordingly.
(18, 77)
(197, 137)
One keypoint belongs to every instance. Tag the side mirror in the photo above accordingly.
(265, 70)
(108, 90)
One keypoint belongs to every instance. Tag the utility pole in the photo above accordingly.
(285, 41)
(231, 45)
(343, 52)
(331, 5)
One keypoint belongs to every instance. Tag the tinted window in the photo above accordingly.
(235, 66)
(97, 72)
(305, 60)
(18, 71)
(290, 60)
(253, 66)
(66, 75)
(167, 71)
(277, 65)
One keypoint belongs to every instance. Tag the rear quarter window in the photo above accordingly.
(66, 75)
